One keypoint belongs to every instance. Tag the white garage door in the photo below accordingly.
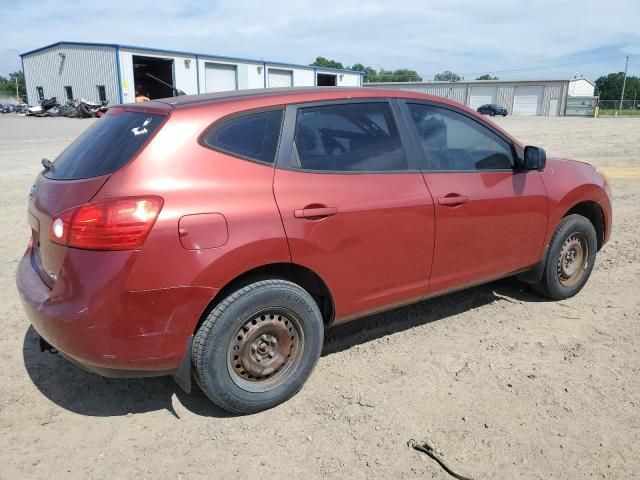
(280, 78)
(528, 100)
(220, 77)
(482, 95)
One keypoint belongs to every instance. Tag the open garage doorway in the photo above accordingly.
(160, 68)
(326, 80)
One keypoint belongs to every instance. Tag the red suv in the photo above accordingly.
(221, 234)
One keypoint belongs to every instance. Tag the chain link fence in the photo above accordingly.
(613, 108)
(581, 106)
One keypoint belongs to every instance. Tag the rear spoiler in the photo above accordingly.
(155, 108)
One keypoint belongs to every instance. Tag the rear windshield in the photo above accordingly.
(105, 146)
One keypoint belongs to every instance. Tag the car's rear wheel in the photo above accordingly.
(570, 260)
(258, 346)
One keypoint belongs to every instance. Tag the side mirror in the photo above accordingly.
(535, 158)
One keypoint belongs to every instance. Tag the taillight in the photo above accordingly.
(115, 224)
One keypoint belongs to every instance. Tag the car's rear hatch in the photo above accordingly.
(81, 170)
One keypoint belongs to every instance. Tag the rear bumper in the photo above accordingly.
(94, 321)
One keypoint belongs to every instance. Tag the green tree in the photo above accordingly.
(486, 76)
(370, 74)
(8, 85)
(609, 87)
(447, 76)
(326, 63)
(399, 75)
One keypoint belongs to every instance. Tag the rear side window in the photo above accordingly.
(254, 136)
(351, 137)
(105, 146)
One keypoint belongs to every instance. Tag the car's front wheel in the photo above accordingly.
(570, 259)
(258, 346)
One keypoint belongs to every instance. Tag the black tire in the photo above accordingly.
(574, 232)
(239, 324)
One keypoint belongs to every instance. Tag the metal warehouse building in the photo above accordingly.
(109, 72)
(519, 97)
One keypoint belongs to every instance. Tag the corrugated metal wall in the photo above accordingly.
(85, 66)
(553, 91)
(82, 68)
(452, 91)
(505, 96)
(459, 91)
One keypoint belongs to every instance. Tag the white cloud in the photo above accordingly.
(459, 35)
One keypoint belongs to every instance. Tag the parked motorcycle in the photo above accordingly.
(42, 109)
(79, 108)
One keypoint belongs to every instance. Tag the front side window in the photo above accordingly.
(352, 137)
(452, 141)
(254, 136)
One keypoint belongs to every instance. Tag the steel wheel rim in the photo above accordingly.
(265, 350)
(573, 259)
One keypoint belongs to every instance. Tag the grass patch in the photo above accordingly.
(613, 112)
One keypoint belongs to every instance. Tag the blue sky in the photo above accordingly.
(469, 37)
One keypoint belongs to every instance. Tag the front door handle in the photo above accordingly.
(315, 212)
(453, 199)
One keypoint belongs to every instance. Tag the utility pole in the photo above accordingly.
(17, 91)
(624, 83)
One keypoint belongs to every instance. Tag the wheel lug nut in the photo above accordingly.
(264, 337)
(271, 355)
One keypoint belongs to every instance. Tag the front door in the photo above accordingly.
(354, 205)
(490, 218)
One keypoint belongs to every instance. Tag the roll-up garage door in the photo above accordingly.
(220, 77)
(528, 100)
(482, 95)
(280, 78)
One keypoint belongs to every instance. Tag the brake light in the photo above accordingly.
(115, 224)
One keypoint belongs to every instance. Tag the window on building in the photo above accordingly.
(453, 141)
(40, 91)
(254, 136)
(356, 137)
(68, 91)
(102, 93)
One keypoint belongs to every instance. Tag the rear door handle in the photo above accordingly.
(315, 212)
(453, 199)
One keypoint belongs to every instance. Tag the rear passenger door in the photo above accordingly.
(491, 217)
(354, 205)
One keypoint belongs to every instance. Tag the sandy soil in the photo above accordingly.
(503, 383)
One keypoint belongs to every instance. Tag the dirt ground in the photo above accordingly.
(503, 383)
